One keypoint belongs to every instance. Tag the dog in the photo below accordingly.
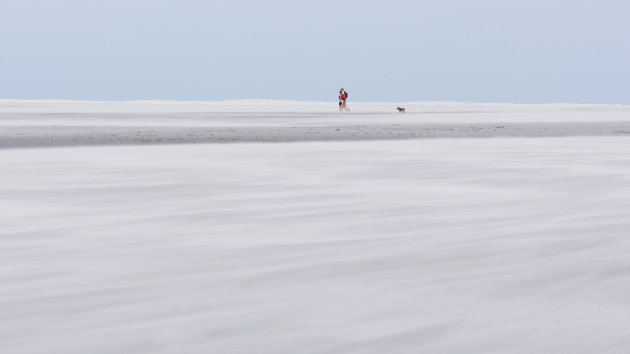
(400, 109)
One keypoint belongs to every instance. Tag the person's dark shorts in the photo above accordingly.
(340, 103)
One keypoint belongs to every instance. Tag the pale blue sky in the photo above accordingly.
(526, 51)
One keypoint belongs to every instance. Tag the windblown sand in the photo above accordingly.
(503, 245)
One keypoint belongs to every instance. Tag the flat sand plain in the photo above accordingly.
(68, 123)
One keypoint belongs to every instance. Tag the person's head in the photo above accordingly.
(341, 89)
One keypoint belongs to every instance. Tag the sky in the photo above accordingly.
(520, 51)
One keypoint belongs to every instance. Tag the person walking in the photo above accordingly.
(343, 96)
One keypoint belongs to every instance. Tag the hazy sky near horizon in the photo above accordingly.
(523, 51)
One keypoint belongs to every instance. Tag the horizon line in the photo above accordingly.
(270, 100)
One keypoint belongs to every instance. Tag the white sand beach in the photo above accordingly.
(342, 241)
(69, 123)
